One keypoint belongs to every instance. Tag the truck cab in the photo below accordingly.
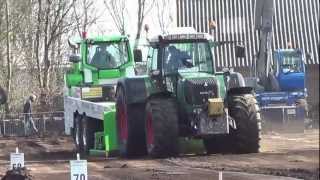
(99, 62)
(289, 69)
(90, 87)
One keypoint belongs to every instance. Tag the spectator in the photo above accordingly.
(177, 59)
(28, 121)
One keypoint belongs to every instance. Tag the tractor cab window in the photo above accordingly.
(291, 63)
(187, 57)
(107, 55)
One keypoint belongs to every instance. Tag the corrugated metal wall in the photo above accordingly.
(296, 21)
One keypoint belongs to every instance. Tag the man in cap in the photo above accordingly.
(28, 121)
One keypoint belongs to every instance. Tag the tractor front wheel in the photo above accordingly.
(130, 124)
(245, 138)
(161, 127)
(77, 132)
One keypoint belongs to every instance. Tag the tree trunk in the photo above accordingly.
(9, 73)
(139, 23)
(37, 44)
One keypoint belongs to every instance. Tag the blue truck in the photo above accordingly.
(285, 103)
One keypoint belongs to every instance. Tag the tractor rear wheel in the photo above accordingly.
(245, 138)
(162, 127)
(77, 132)
(89, 127)
(130, 125)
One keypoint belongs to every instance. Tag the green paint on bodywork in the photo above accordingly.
(203, 75)
(110, 131)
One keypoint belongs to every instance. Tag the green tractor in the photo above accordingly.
(183, 95)
(90, 85)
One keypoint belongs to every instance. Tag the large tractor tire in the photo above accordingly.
(162, 127)
(89, 127)
(130, 126)
(77, 132)
(245, 138)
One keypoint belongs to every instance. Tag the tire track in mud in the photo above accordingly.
(200, 163)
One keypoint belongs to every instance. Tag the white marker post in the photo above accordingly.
(220, 175)
(78, 169)
(16, 160)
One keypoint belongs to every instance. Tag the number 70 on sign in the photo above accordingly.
(78, 170)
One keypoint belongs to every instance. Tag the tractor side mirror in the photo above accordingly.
(74, 58)
(240, 51)
(137, 55)
(226, 71)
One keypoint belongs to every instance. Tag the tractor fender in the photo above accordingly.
(235, 80)
(134, 88)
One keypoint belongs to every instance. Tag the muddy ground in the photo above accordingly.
(283, 156)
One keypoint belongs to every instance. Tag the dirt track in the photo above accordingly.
(290, 155)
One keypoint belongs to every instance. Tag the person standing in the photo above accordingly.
(28, 121)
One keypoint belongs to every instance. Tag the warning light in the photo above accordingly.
(84, 35)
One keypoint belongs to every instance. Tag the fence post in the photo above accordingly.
(4, 128)
(44, 125)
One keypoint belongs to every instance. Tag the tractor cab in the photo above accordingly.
(289, 69)
(182, 57)
(98, 63)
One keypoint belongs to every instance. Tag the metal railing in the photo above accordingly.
(47, 123)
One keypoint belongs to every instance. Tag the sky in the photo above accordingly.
(105, 23)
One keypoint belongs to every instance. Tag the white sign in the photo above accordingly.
(16, 160)
(291, 111)
(79, 170)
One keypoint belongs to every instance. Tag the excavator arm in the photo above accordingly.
(263, 24)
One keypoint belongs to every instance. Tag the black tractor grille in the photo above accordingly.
(197, 91)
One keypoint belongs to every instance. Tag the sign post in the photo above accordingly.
(79, 170)
(16, 160)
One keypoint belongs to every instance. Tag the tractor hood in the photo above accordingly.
(292, 81)
(198, 87)
(202, 77)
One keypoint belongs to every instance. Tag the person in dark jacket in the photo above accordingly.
(28, 121)
(103, 59)
(177, 59)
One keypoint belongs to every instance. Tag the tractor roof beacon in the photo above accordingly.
(183, 95)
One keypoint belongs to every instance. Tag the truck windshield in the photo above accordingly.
(291, 63)
(187, 57)
(107, 55)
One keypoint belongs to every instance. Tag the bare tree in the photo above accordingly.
(144, 7)
(119, 12)
(164, 14)
(37, 42)
(9, 73)
(84, 14)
